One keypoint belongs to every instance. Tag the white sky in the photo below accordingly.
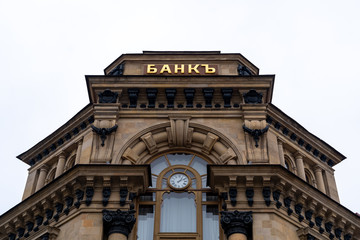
(46, 48)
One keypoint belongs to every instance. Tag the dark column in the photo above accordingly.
(237, 225)
(118, 224)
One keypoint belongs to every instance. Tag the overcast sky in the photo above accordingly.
(46, 48)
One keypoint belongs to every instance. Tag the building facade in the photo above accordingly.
(180, 145)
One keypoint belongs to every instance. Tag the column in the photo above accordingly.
(281, 152)
(78, 152)
(236, 225)
(41, 180)
(118, 223)
(60, 164)
(319, 179)
(300, 165)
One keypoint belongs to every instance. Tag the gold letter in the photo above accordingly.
(165, 68)
(151, 68)
(208, 69)
(193, 68)
(181, 68)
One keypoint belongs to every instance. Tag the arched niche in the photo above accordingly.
(179, 134)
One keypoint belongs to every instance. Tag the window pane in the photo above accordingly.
(210, 222)
(158, 165)
(145, 229)
(178, 212)
(179, 159)
(199, 165)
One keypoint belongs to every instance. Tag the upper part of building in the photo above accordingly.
(209, 105)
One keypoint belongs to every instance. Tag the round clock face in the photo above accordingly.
(179, 181)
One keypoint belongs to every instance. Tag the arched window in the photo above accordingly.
(179, 204)
(309, 178)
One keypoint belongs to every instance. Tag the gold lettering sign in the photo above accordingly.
(181, 69)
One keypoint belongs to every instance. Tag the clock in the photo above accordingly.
(179, 181)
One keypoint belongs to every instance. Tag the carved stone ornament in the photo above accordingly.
(133, 96)
(151, 96)
(298, 209)
(103, 132)
(189, 95)
(123, 196)
(287, 204)
(108, 96)
(227, 94)
(118, 70)
(256, 133)
(266, 194)
(106, 196)
(69, 202)
(308, 216)
(276, 197)
(39, 221)
(119, 221)
(59, 208)
(243, 71)
(252, 97)
(232, 194)
(208, 95)
(49, 214)
(236, 222)
(250, 196)
(89, 195)
(79, 196)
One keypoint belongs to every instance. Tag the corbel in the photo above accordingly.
(170, 96)
(151, 94)
(209, 142)
(266, 194)
(108, 96)
(28, 219)
(132, 196)
(233, 195)
(47, 205)
(19, 226)
(69, 200)
(59, 208)
(208, 95)
(249, 192)
(89, 190)
(299, 206)
(123, 196)
(79, 197)
(320, 213)
(276, 197)
(189, 95)
(287, 204)
(252, 96)
(10, 231)
(329, 223)
(149, 142)
(106, 193)
(133, 94)
(224, 197)
(227, 94)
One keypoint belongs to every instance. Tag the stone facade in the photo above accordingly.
(86, 179)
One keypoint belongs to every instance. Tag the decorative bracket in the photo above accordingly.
(308, 216)
(252, 97)
(118, 70)
(227, 94)
(103, 132)
(151, 96)
(69, 202)
(123, 195)
(108, 96)
(250, 196)
(89, 195)
(243, 71)
(266, 194)
(298, 209)
(256, 133)
(106, 196)
(189, 95)
(287, 204)
(276, 197)
(79, 196)
(233, 194)
(208, 95)
(170, 96)
(133, 97)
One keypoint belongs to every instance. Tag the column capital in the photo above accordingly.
(61, 154)
(119, 221)
(44, 168)
(317, 168)
(236, 222)
(299, 155)
(280, 141)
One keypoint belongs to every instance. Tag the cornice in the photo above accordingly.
(288, 128)
(288, 186)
